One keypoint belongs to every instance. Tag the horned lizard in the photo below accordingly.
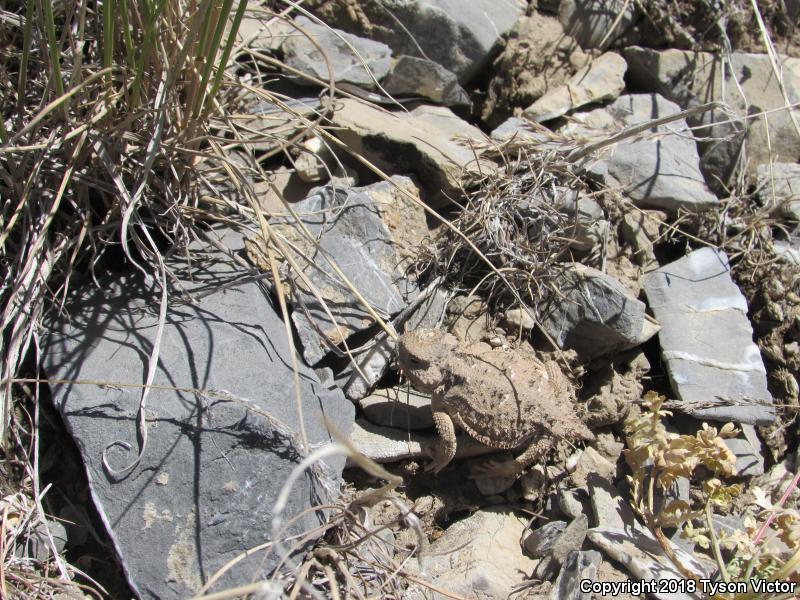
(505, 399)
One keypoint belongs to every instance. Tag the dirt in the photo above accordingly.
(537, 57)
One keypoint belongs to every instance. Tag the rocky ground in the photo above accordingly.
(612, 186)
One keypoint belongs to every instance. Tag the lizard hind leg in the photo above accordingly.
(445, 449)
(510, 468)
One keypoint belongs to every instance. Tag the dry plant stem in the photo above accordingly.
(715, 544)
(629, 132)
(774, 63)
(656, 530)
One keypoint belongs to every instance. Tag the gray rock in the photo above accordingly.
(594, 314)
(574, 502)
(579, 566)
(641, 229)
(787, 251)
(661, 171)
(524, 131)
(706, 339)
(607, 445)
(600, 80)
(403, 408)
(518, 319)
(368, 233)
(215, 458)
(301, 54)
(747, 448)
(586, 226)
(460, 36)
(779, 188)
(480, 556)
(610, 508)
(690, 78)
(380, 352)
(541, 540)
(429, 141)
(387, 444)
(261, 31)
(569, 540)
(590, 461)
(412, 76)
(37, 546)
(590, 21)
(640, 553)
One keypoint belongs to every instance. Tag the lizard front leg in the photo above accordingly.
(445, 449)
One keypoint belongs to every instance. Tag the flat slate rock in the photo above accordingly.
(660, 169)
(602, 79)
(460, 36)
(706, 339)
(346, 66)
(743, 84)
(370, 234)
(413, 76)
(430, 141)
(214, 462)
(594, 314)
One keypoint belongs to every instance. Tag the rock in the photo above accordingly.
(569, 540)
(590, 21)
(537, 57)
(609, 507)
(533, 483)
(591, 461)
(586, 226)
(262, 31)
(539, 541)
(706, 340)
(779, 188)
(747, 448)
(386, 444)
(37, 546)
(578, 567)
(369, 242)
(404, 408)
(492, 485)
(224, 452)
(380, 352)
(515, 129)
(412, 76)
(480, 556)
(641, 229)
(347, 66)
(608, 446)
(593, 314)
(467, 319)
(460, 36)
(316, 163)
(640, 553)
(654, 172)
(690, 78)
(519, 320)
(428, 141)
(787, 251)
(600, 80)
(574, 502)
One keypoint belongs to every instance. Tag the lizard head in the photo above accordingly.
(422, 353)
